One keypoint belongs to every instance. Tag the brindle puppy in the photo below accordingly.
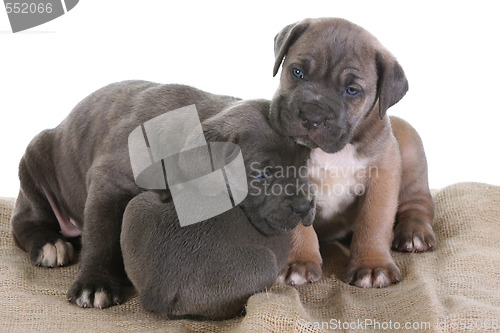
(369, 170)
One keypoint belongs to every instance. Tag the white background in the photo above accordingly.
(450, 51)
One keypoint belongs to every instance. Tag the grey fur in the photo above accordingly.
(83, 166)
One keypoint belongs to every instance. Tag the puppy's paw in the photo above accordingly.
(92, 292)
(375, 276)
(300, 272)
(55, 254)
(413, 236)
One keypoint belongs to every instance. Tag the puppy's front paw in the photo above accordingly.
(300, 272)
(95, 292)
(373, 276)
(413, 236)
(53, 254)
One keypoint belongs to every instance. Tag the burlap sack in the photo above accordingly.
(452, 289)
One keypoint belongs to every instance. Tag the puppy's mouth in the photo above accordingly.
(271, 228)
(328, 144)
(306, 141)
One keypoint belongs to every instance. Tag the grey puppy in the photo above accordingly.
(209, 269)
(76, 179)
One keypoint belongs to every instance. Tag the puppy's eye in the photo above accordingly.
(352, 91)
(298, 73)
(263, 174)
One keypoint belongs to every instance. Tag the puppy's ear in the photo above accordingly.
(284, 39)
(392, 84)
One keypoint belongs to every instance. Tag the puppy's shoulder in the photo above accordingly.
(246, 112)
(258, 107)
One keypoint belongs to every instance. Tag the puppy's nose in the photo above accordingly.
(301, 207)
(312, 118)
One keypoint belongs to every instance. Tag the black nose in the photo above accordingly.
(311, 117)
(301, 207)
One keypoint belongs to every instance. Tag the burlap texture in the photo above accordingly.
(454, 288)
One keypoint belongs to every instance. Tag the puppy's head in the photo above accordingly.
(334, 74)
(278, 196)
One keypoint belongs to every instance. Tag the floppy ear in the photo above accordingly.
(392, 84)
(284, 39)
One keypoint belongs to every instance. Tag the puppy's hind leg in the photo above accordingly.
(413, 230)
(35, 227)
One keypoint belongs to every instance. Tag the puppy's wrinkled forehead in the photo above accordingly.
(343, 43)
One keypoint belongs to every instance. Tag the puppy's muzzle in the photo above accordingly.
(312, 115)
(301, 207)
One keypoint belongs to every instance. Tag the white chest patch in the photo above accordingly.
(337, 179)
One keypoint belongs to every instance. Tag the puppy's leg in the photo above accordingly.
(413, 229)
(35, 227)
(370, 262)
(304, 263)
(99, 280)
